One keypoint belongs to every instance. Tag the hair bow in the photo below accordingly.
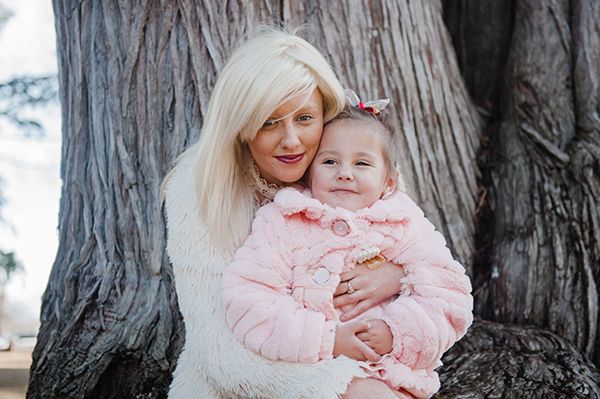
(374, 106)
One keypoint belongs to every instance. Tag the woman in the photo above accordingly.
(261, 131)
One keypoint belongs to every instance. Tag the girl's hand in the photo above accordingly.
(379, 337)
(367, 288)
(347, 343)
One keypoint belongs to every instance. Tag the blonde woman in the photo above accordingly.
(262, 129)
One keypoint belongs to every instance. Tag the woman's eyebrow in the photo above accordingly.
(308, 107)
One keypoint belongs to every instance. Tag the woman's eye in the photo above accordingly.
(269, 123)
(305, 118)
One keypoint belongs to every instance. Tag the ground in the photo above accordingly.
(14, 373)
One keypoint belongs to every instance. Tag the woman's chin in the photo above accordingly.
(290, 176)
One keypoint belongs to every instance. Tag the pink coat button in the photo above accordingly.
(340, 228)
(321, 276)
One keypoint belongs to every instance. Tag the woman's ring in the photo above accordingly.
(350, 288)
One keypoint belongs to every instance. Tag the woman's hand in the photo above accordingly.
(364, 288)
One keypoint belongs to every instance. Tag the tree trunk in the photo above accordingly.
(543, 264)
(135, 79)
(506, 361)
(110, 322)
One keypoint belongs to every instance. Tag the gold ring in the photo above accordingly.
(350, 288)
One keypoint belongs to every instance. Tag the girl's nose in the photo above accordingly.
(345, 174)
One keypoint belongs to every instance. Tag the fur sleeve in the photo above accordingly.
(435, 306)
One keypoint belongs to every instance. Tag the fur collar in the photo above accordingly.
(294, 201)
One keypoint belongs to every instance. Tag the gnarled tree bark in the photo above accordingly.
(135, 79)
(542, 166)
(506, 361)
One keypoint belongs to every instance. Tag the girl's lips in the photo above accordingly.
(290, 158)
(343, 191)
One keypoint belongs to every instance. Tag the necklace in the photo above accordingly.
(263, 187)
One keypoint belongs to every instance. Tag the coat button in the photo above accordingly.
(321, 276)
(340, 228)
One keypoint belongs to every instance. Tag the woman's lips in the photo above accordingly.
(290, 158)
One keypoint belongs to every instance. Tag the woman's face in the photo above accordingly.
(286, 144)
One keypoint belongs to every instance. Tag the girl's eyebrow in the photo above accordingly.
(366, 154)
(358, 154)
(327, 152)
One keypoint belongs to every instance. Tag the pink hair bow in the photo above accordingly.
(374, 106)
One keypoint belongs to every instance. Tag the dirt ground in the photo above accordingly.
(14, 373)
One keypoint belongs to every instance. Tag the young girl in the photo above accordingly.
(278, 292)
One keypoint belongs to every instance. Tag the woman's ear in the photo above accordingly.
(389, 188)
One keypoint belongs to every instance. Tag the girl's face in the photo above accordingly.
(286, 144)
(349, 170)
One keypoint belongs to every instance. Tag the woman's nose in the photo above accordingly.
(291, 136)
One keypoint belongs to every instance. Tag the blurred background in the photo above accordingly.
(29, 179)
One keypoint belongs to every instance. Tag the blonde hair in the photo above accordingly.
(262, 74)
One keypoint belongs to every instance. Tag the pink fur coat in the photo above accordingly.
(278, 291)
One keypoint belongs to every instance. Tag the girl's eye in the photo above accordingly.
(363, 163)
(329, 162)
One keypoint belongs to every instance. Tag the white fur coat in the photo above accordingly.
(213, 364)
